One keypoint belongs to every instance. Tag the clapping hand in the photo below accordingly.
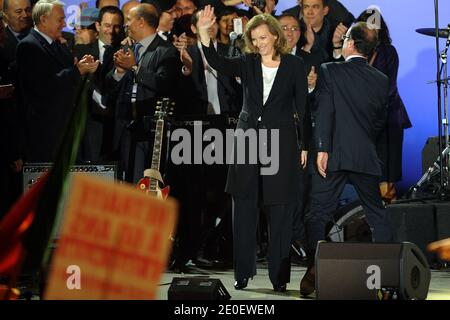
(338, 33)
(87, 64)
(124, 60)
(312, 78)
(310, 38)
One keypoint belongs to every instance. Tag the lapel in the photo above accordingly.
(149, 53)
(258, 80)
(47, 47)
(95, 50)
(276, 87)
(201, 79)
(12, 38)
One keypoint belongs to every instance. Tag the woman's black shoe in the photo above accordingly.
(278, 288)
(241, 284)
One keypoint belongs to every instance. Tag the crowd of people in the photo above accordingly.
(325, 80)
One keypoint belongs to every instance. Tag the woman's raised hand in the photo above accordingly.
(206, 18)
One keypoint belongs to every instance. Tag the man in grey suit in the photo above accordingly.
(352, 99)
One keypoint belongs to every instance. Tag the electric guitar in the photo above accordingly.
(152, 182)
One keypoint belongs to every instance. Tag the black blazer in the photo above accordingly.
(8, 57)
(157, 77)
(352, 100)
(99, 82)
(288, 96)
(47, 82)
(195, 90)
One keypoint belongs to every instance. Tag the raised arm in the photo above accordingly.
(227, 66)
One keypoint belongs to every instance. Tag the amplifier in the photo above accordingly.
(33, 171)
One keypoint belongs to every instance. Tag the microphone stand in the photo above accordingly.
(444, 158)
(441, 165)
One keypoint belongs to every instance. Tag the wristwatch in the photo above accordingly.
(134, 68)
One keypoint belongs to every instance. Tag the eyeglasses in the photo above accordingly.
(293, 29)
(344, 37)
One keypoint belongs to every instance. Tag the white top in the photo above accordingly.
(269, 75)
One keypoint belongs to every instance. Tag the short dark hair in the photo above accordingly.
(289, 15)
(324, 2)
(97, 3)
(150, 18)
(365, 39)
(110, 10)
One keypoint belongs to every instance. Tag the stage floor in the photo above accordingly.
(260, 287)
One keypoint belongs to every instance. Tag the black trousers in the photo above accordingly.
(245, 221)
(324, 199)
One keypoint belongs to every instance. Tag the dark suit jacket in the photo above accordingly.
(157, 77)
(8, 57)
(12, 136)
(352, 100)
(47, 82)
(99, 82)
(288, 95)
(195, 90)
(310, 59)
(387, 62)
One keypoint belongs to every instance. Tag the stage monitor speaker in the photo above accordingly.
(371, 271)
(409, 222)
(196, 288)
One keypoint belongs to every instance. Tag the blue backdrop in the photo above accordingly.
(417, 66)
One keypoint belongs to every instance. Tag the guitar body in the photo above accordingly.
(144, 184)
(152, 179)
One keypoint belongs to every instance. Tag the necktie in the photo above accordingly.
(136, 48)
(20, 36)
(169, 36)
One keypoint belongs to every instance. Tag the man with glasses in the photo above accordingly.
(352, 99)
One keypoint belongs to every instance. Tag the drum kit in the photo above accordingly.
(435, 182)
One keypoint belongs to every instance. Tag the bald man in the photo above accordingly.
(143, 73)
(127, 7)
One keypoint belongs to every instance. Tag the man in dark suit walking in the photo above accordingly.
(143, 73)
(47, 77)
(352, 99)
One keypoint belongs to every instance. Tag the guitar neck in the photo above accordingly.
(157, 145)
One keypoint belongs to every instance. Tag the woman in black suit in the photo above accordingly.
(275, 88)
(390, 142)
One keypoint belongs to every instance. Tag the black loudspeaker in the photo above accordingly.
(195, 288)
(348, 271)
(419, 223)
(416, 223)
(430, 152)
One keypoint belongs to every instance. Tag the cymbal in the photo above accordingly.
(443, 33)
